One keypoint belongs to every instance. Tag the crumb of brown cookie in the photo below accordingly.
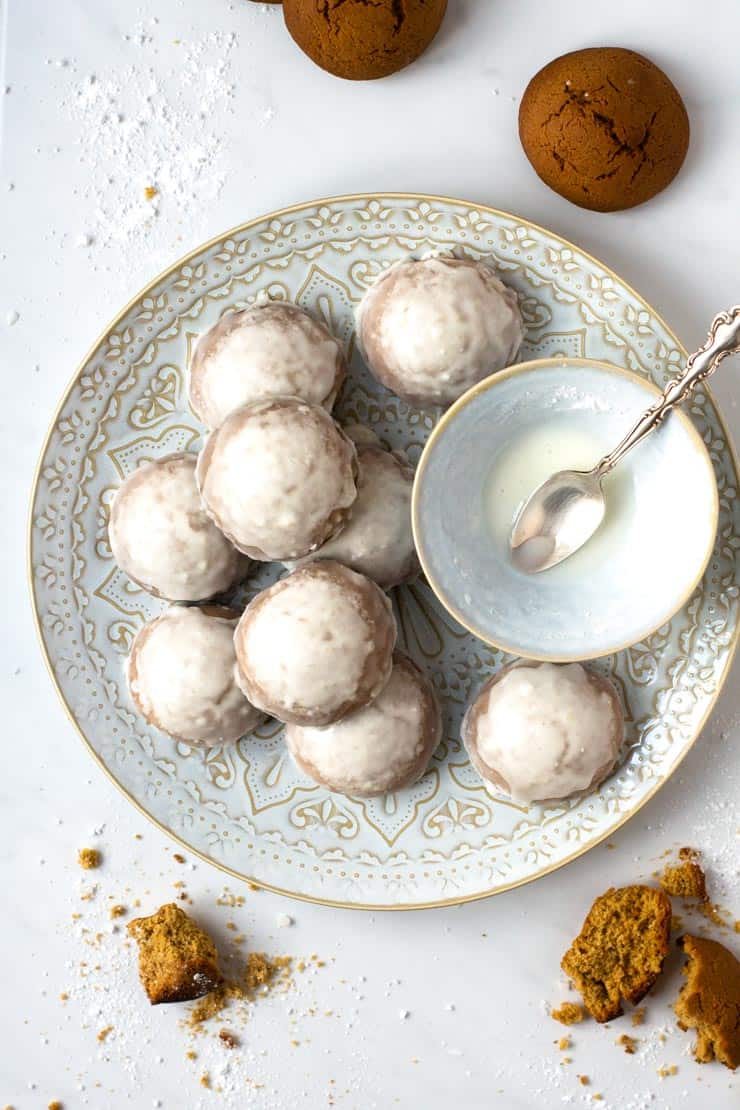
(191, 1055)
(685, 879)
(103, 1033)
(117, 911)
(714, 913)
(259, 975)
(205, 1081)
(55, 1104)
(638, 1016)
(629, 1044)
(254, 886)
(620, 950)
(584, 1080)
(568, 1013)
(709, 1001)
(89, 858)
(664, 1072)
(177, 960)
(228, 1038)
(150, 192)
(564, 1044)
(178, 858)
(63, 996)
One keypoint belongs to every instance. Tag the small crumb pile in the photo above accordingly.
(89, 858)
(260, 975)
(568, 1013)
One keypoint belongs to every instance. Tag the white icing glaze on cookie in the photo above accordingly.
(377, 540)
(432, 328)
(316, 645)
(272, 349)
(162, 538)
(381, 748)
(544, 731)
(182, 677)
(278, 478)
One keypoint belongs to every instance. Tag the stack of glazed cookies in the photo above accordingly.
(279, 480)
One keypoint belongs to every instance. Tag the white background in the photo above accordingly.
(276, 131)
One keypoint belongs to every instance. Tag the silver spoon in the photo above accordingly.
(565, 511)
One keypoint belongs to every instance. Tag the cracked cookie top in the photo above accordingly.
(604, 128)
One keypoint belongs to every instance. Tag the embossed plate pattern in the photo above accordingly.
(245, 808)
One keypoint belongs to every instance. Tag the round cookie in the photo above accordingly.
(362, 41)
(182, 676)
(543, 731)
(377, 541)
(278, 478)
(272, 349)
(429, 329)
(162, 538)
(379, 749)
(316, 645)
(604, 128)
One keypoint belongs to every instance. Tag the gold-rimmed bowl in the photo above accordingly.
(499, 442)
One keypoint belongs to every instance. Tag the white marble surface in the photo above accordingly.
(276, 130)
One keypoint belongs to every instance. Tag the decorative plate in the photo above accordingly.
(245, 808)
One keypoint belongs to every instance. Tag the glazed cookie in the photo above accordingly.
(430, 329)
(604, 127)
(162, 538)
(361, 41)
(317, 645)
(379, 749)
(182, 676)
(278, 478)
(377, 541)
(272, 349)
(541, 731)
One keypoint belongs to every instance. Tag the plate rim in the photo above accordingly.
(112, 324)
(471, 395)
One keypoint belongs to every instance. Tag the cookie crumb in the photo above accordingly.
(665, 1072)
(117, 911)
(89, 858)
(568, 1013)
(55, 1104)
(150, 192)
(228, 1038)
(564, 1043)
(103, 1034)
(629, 1044)
(685, 879)
(205, 1081)
(638, 1016)
(584, 1080)
(178, 858)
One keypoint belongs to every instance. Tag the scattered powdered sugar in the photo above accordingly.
(150, 136)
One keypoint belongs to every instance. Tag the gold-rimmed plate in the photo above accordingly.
(245, 808)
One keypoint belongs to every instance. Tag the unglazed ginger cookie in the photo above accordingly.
(431, 328)
(604, 127)
(381, 748)
(182, 676)
(177, 960)
(360, 40)
(709, 1001)
(272, 349)
(541, 731)
(162, 537)
(377, 540)
(620, 950)
(278, 478)
(317, 645)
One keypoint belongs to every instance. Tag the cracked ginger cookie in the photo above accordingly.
(709, 1001)
(604, 127)
(360, 41)
(177, 960)
(620, 950)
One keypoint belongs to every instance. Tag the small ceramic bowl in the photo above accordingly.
(496, 444)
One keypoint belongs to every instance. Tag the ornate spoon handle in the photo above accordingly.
(723, 340)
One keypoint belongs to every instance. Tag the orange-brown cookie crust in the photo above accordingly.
(363, 39)
(709, 1001)
(177, 960)
(604, 127)
(620, 950)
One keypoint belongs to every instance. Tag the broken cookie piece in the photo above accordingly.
(620, 950)
(177, 960)
(709, 1001)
